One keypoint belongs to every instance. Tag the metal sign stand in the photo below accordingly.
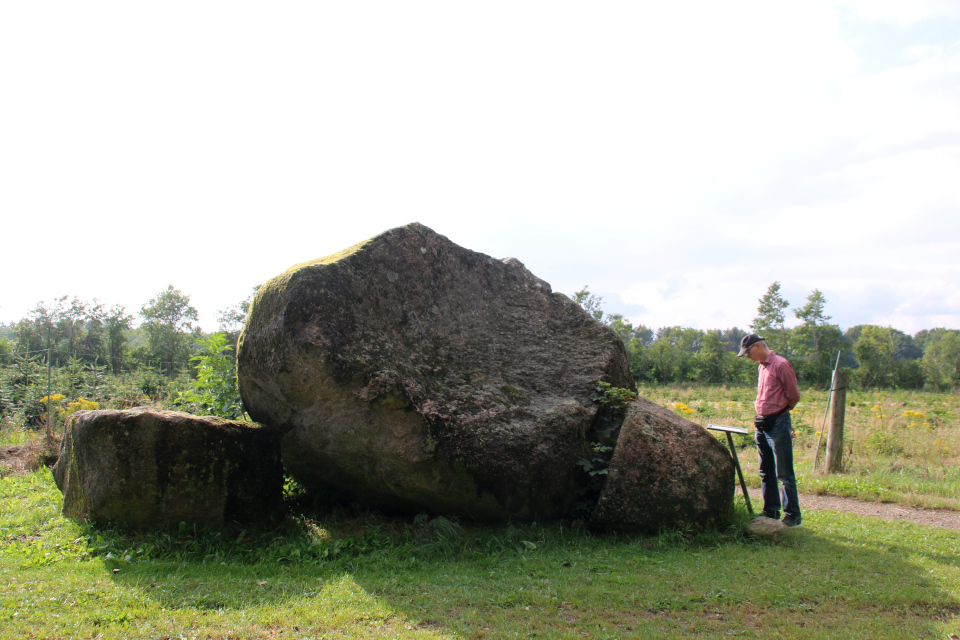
(733, 454)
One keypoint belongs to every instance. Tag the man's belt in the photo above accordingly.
(762, 423)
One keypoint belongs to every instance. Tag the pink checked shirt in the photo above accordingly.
(777, 386)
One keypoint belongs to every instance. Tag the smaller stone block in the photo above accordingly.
(145, 467)
(666, 473)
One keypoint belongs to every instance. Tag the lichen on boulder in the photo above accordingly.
(666, 473)
(412, 374)
(145, 467)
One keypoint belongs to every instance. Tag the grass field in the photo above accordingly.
(349, 574)
(899, 446)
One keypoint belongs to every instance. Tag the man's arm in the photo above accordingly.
(789, 381)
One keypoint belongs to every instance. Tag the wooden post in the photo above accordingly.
(838, 405)
(49, 413)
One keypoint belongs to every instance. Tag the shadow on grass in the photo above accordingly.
(807, 585)
(444, 577)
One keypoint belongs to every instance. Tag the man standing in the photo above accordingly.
(777, 394)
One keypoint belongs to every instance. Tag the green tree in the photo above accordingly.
(94, 345)
(636, 351)
(941, 360)
(816, 340)
(588, 302)
(117, 323)
(641, 368)
(214, 391)
(741, 369)
(874, 350)
(167, 319)
(807, 337)
(636, 340)
(26, 337)
(70, 323)
(685, 343)
(43, 329)
(644, 334)
(22, 385)
(770, 319)
(909, 374)
(663, 360)
(922, 338)
(623, 328)
(731, 338)
(232, 318)
(850, 337)
(710, 361)
(69, 329)
(906, 347)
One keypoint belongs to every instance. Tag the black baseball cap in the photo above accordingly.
(748, 341)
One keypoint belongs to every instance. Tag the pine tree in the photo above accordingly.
(813, 317)
(770, 319)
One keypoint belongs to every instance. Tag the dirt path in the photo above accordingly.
(888, 511)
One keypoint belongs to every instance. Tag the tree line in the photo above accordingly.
(79, 333)
(877, 356)
(75, 331)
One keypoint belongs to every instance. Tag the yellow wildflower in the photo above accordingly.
(682, 408)
(82, 404)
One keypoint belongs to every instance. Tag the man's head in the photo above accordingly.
(754, 347)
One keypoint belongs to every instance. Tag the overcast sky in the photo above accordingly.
(678, 157)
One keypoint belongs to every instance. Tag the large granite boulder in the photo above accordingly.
(144, 467)
(412, 374)
(666, 473)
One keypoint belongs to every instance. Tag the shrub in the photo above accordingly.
(214, 391)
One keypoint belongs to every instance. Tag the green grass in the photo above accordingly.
(899, 446)
(13, 433)
(341, 574)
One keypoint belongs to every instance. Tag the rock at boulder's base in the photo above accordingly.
(666, 472)
(143, 467)
(763, 527)
(412, 374)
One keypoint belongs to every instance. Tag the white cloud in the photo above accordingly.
(626, 146)
(905, 12)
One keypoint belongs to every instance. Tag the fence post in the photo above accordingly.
(49, 402)
(838, 406)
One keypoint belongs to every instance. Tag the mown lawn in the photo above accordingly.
(339, 574)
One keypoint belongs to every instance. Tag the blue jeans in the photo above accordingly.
(775, 446)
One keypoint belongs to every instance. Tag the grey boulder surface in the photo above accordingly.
(666, 473)
(411, 374)
(147, 467)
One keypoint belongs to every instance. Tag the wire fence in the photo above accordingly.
(96, 356)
